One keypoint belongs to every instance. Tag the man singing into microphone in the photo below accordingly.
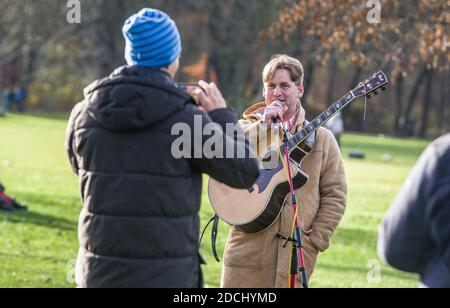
(260, 260)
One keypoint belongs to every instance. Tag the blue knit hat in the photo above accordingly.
(152, 39)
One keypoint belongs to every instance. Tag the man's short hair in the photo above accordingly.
(285, 62)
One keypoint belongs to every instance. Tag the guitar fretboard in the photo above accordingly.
(318, 122)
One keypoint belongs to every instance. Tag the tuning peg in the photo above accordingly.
(368, 96)
(383, 88)
(376, 93)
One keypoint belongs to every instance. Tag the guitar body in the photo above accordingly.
(257, 208)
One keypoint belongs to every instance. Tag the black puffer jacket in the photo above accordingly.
(139, 226)
(415, 234)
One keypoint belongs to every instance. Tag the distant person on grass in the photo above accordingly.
(415, 235)
(336, 125)
(2, 103)
(7, 203)
(140, 225)
(8, 98)
(20, 98)
(11, 99)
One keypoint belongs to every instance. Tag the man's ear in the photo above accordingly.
(301, 90)
(264, 92)
(172, 69)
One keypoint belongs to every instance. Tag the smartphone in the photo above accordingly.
(185, 86)
(189, 88)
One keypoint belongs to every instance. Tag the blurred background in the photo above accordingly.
(46, 61)
(230, 41)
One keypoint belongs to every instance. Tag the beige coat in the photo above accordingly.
(259, 260)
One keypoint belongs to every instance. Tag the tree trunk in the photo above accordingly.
(309, 77)
(331, 80)
(412, 98)
(346, 112)
(108, 41)
(398, 104)
(426, 104)
(443, 101)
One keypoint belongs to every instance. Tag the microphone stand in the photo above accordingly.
(296, 236)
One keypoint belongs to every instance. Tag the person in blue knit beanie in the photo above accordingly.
(140, 224)
(152, 39)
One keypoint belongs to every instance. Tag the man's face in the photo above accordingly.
(283, 89)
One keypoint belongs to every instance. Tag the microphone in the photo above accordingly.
(276, 124)
(277, 119)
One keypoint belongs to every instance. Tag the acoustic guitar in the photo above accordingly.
(255, 209)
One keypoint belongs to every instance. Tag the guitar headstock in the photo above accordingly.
(371, 85)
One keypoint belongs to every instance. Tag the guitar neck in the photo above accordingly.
(318, 122)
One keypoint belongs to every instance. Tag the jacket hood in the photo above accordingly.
(134, 98)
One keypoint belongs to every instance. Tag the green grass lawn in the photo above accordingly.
(38, 248)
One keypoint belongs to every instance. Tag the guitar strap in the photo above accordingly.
(215, 221)
(214, 237)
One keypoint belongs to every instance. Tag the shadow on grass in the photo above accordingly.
(30, 217)
(41, 219)
(49, 201)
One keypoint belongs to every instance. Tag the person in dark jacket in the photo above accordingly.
(415, 235)
(7, 203)
(139, 226)
(20, 98)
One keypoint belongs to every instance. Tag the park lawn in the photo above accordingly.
(38, 248)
